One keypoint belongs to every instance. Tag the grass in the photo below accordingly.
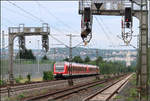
(37, 79)
(133, 93)
(133, 81)
(99, 85)
(118, 97)
(33, 79)
(25, 94)
(21, 96)
(130, 99)
(15, 97)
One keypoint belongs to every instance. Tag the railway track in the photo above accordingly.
(28, 86)
(108, 92)
(20, 84)
(14, 88)
(67, 91)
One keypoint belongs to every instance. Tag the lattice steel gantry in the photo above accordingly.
(20, 32)
(117, 8)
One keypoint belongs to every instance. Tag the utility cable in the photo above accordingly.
(41, 20)
(107, 36)
(59, 20)
(26, 12)
(59, 41)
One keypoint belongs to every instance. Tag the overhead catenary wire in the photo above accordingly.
(101, 25)
(52, 35)
(59, 41)
(103, 29)
(26, 11)
(41, 20)
(49, 13)
(19, 13)
(58, 19)
(108, 29)
(32, 15)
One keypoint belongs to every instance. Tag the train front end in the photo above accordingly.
(59, 70)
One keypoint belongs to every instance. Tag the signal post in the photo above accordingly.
(140, 11)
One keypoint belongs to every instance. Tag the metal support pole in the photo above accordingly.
(70, 81)
(38, 57)
(148, 69)
(97, 76)
(11, 77)
(149, 23)
(3, 50)
(144, 52)
(138, 62)
(149, 48)
(20, 60)
(1, 46)
(54, 54)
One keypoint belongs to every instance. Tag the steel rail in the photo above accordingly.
(20, 87)
(104, 89)
(67, 91)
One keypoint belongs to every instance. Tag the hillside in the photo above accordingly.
(62, 53)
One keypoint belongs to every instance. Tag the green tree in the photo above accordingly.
(66, 59)
(47, 75)
(77, 59)
(26, 54)
(99, 59)
(87, 59)
(45, 57)
(29, 78)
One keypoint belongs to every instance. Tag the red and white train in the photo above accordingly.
(61, 69)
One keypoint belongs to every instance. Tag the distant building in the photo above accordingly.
(127, 56)
(128, 59)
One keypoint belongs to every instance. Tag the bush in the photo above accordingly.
(1, 82)
(29, 78)
(20, 77)
(17, 80)
(47, 75)
(133, 92)
(21, 96)
(45, 57)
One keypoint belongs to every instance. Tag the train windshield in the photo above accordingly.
(59, 67)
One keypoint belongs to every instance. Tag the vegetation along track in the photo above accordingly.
(106, 93)
(67, 91)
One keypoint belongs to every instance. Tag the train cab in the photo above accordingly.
(59, 69)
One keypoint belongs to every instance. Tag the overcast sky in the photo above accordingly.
(63, 18)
